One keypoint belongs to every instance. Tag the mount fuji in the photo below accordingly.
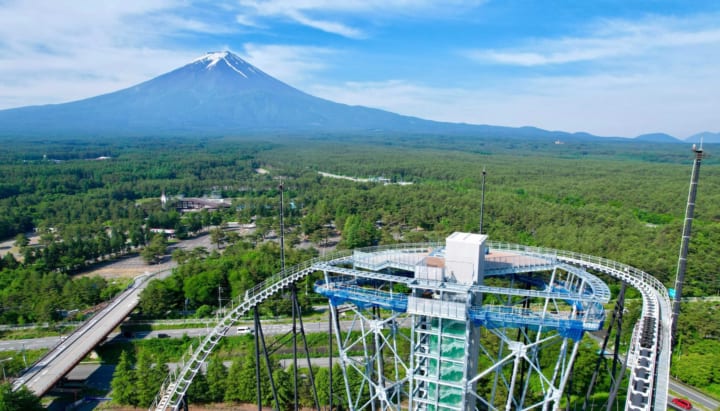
(217, 94)
(221, 94)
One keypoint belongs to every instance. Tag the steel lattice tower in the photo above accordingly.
(489, 329)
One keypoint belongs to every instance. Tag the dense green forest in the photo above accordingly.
(620, 200)
(93, 201)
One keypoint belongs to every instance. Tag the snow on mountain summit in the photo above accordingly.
(240, 66)
(212, 57)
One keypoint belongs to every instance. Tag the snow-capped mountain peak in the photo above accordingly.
(240, 66)
(212, 57)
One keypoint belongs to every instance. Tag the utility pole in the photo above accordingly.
(687, 228)
(219, 302)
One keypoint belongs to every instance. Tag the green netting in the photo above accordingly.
(450, 345)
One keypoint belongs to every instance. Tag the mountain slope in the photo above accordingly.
(218, 94)
(706, 137)
(657, 138)
(221, 94)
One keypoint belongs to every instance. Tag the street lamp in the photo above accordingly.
(2, 363)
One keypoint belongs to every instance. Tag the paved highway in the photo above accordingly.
(696, 398)
(62, 358)
(82, 371)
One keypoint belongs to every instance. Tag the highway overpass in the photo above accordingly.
(62, 358)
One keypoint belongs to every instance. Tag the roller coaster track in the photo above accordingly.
(649, 353)
(176, 385)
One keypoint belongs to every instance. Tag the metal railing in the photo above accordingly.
(655, 299)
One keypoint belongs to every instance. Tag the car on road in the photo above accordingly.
(163, 335)
(244, 330)
(682, 403)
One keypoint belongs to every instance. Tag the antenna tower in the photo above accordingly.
(687, 227)
(282, 230)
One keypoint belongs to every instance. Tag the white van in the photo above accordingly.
(244, 330)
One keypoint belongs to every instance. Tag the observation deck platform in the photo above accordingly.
(361, 285)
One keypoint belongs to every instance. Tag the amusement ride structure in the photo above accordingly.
(489, 326)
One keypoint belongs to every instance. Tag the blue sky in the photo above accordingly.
(615, 68)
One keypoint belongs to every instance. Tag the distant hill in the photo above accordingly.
(220, 94)
(657, 138)
(706, 136)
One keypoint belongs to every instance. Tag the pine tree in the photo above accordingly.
(247, 380)
(235, 390)
(322, 382)
(216, 379)
(198, 392)
(123, 382)
(21, 400)
(284, 386)
(339, 391)
(146, 385)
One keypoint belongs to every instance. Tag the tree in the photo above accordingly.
(158, 298)
(217, 236)
(194, 222)
(198, 392)
(359, 232)
(247, 380)
(284, 386)
(322, 382)
(235, 390)
(8, 261)
(123, 382)
(339, 391)
(137, 236)
(21, 241)
(217, 380)
(310, 223)
(118, 240)
(21, 400)
(202, 288)
(154, 251)
(147, 379)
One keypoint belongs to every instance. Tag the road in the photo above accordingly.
(698, 399)
(67, 352)
(62, 357)
(98, 375)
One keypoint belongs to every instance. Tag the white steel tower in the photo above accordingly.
(488, 328)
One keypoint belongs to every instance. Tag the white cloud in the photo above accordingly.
(608, 40)
(280, 7)
(54, 52)
(604, 105)
(327, 26)
(656, 74)
(328, 15)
